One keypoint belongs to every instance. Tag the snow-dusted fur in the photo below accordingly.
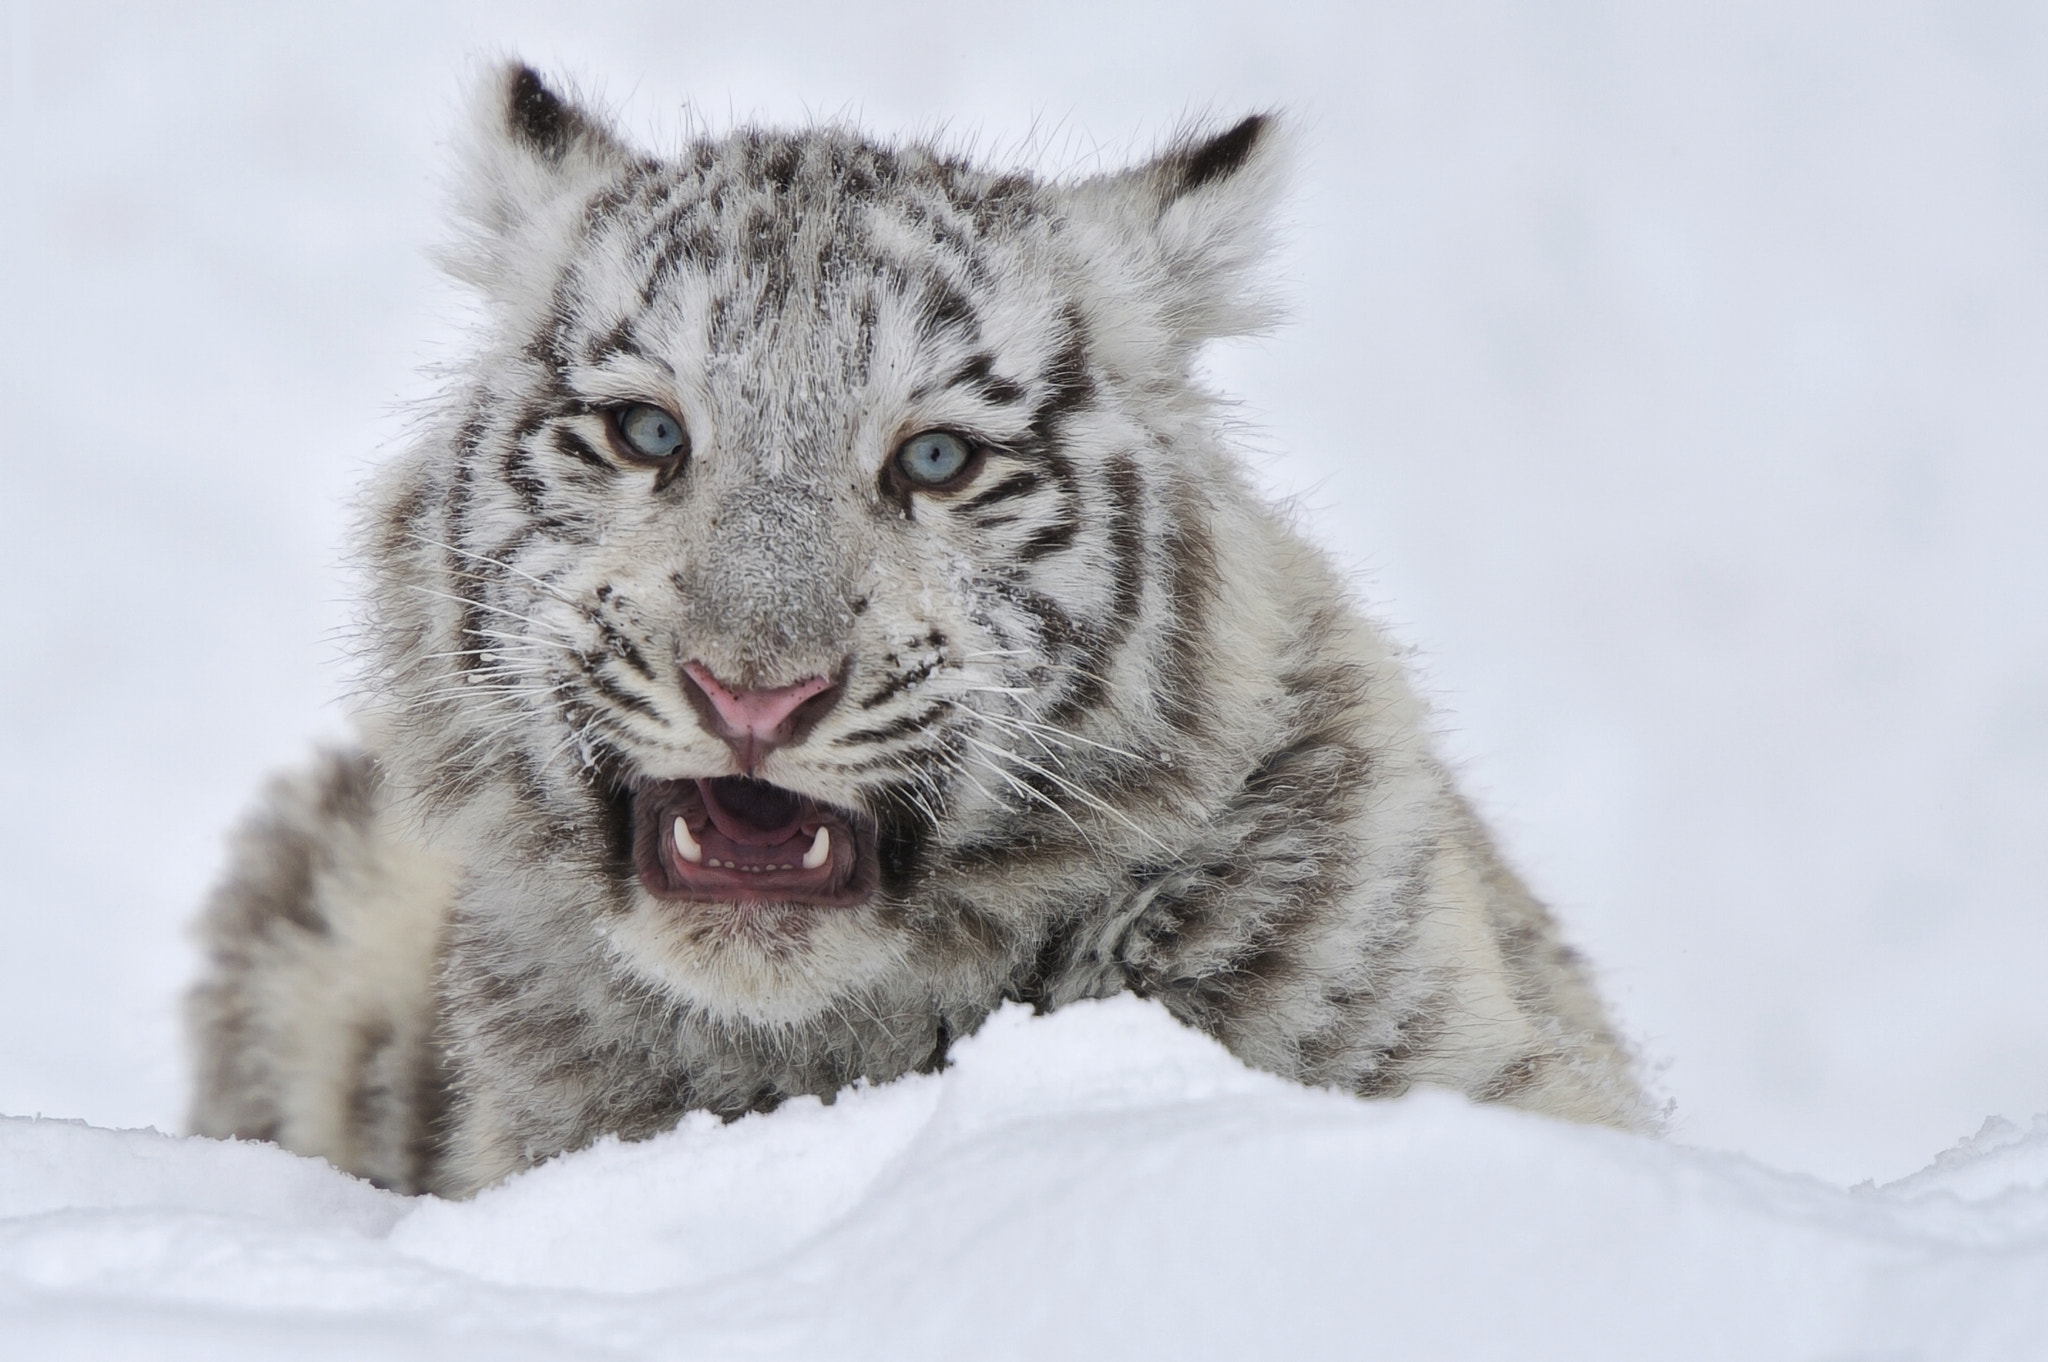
(1110, 723)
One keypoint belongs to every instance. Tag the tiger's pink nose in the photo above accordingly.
(756, 722)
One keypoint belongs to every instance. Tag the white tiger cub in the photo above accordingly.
(824, 609)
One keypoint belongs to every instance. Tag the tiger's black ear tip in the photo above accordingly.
(537, 115)
(1225, 154)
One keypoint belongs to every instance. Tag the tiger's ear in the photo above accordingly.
(531, 156)
(1200, 215)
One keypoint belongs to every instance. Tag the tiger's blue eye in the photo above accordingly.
(934, 458)
(649, 431)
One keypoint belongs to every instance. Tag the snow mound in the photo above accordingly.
(1992, 1164)
(1099, 1182)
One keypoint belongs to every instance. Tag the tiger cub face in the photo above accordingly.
(813, 520)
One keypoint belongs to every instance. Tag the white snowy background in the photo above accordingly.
(1673, 376)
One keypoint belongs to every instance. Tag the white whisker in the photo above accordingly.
(481, 605)
(1087, 797)
(549, 587)
(1038, 796)
(1058, 734)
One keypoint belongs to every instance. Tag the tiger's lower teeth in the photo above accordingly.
(689, 850)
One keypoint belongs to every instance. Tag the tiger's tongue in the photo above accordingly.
(752, 812)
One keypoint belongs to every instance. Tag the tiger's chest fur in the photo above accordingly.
(823, 609)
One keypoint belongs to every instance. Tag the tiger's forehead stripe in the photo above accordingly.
(795, 209)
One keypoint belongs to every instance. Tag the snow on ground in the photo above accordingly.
(1096, 1183)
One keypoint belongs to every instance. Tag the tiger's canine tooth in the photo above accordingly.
(686, 845)
(821, 847)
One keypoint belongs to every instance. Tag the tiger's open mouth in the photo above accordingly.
(734, 839)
